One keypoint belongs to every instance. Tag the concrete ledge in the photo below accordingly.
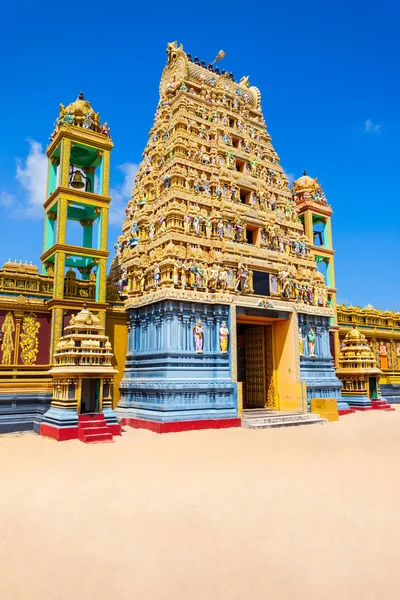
(177, 426)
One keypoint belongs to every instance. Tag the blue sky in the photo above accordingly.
(329, 78)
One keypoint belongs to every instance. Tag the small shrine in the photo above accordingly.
(359, 373)
(83, 375)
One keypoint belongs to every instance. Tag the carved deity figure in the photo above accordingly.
(198, 332)
(208, 225)
(156, 275)
(7, 345)
(177, 269)
(223, 337)
(141, 281)
(213, 277)
(105, 130)
(311, 342)
(242, 278)
(184, 273)
(151, 231)
(300, 339)
(196, 224)
(186, 223)
(223, 279)
(220, 229)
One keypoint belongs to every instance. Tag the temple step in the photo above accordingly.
(96, 437)
(93, 428)
(381, 405)
(266, 419)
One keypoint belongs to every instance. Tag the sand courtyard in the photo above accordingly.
(307, 512)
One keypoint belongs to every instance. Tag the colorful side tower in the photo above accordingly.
(212, 250)
(315, 215)
(77, 197)
(75, 228)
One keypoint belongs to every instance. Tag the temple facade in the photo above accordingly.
(382, 332)
(221, 295)
(227, 308)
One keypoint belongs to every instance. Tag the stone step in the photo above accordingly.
(91, 430)
(90, 438)
(281, 420)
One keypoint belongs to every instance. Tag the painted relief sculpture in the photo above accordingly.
(29, 342)
(7, 345)
(223, 337)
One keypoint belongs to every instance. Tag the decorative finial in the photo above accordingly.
(304, 172)
(221, 54)
(81, 97)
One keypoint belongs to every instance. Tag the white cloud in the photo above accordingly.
(32, 175)
(369, 127)
(122, 193)
(6, 199)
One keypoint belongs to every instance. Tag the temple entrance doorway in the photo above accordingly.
(373, 388)
(90, 398)
(255, 365)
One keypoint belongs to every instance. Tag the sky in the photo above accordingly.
(328, 73)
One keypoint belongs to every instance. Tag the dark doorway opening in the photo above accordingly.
(373, 388)
(90, 396)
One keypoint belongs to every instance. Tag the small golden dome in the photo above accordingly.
(81, 114)
(84, 318)
(305, 182)
(354, 336)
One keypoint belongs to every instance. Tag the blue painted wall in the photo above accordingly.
(165, 379)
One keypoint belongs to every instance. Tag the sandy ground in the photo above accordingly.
(310, 512)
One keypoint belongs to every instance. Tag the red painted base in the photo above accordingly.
(181, 425)
(61, 434)
(362, 408)
(350, 411)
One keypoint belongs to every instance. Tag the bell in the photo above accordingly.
(77, 180)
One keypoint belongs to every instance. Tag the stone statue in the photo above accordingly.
(151, 231)
(223, 337)
(177, 268)
(242, 278)
(198, 332)
(186, 223)
(208, 228)
(184, 272)
(196, 224)
(300, 339)
(311, 342)
(223, 279)
(105, 130)
(156, 275)
(213, 277)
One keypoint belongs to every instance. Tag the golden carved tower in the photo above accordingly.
(77, 198)
(211, 209)
(212, 236)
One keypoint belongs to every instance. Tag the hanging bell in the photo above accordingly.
(77, 180)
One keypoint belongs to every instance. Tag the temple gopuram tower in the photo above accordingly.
(76, 212)
(215, 267)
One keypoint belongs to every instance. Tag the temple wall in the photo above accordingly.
(286, 355)
(165, 380)
(117, 331)
(318, 371)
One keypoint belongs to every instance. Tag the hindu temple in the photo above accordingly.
(220, 302)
